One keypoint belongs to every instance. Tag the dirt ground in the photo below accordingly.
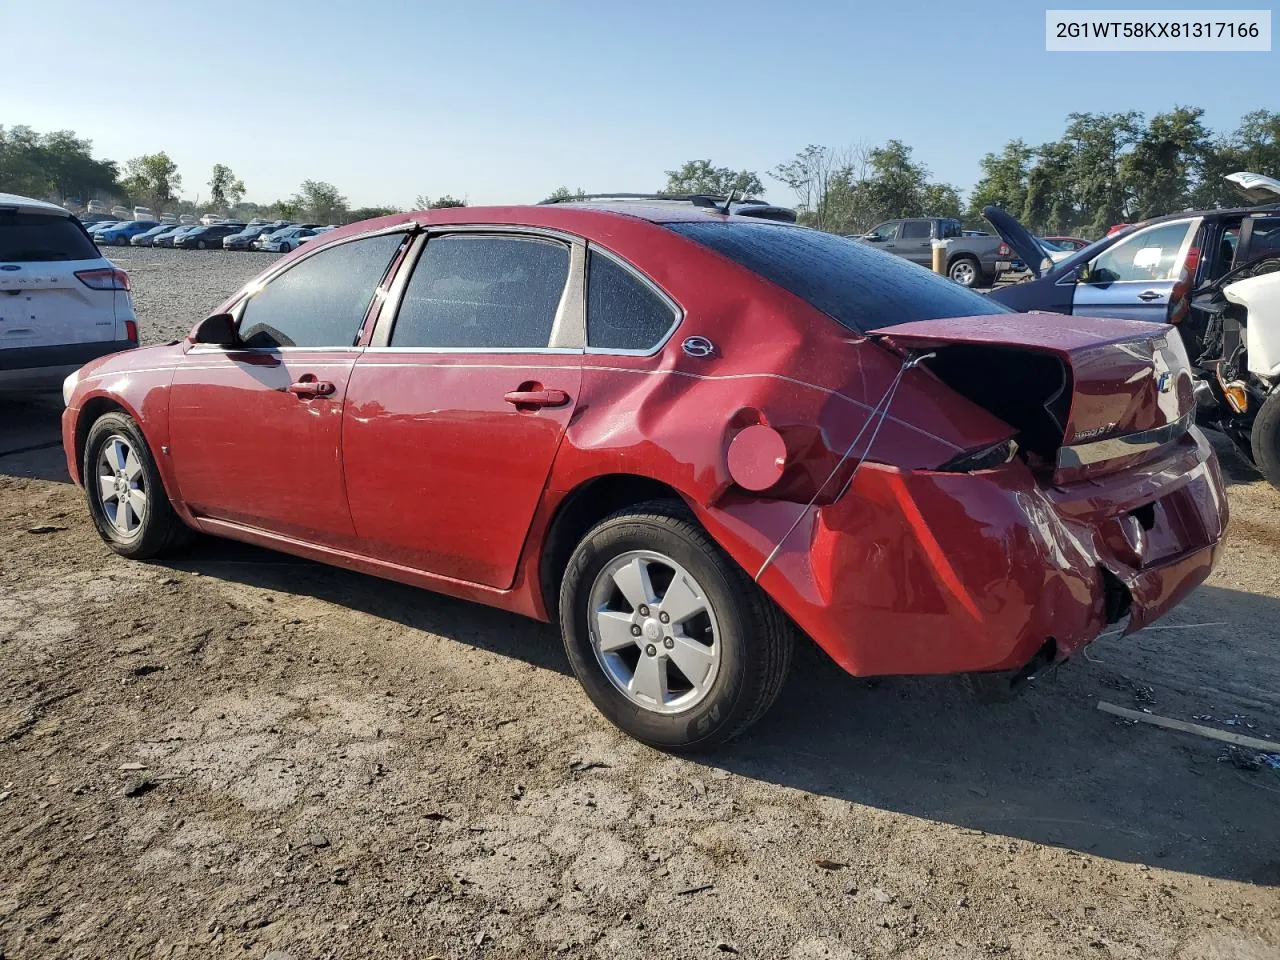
(237, 754)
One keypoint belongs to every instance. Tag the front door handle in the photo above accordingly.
(309, 386)
(1149, 295)
(531, 399)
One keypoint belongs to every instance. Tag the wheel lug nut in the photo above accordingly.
(651, 650)
(665, 618)
(644, 611)
(669, 643)
(635, 630)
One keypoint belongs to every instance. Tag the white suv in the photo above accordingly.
(62, 303)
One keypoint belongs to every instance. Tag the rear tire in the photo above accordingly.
(729, 644)
(126, 494)
(1264, 439)
(966, 271)
(201, 245)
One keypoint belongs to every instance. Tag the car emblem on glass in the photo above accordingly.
(698, 347)
(10, 266)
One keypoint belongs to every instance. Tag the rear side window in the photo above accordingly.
(859, 286)
(951, 229)
(483, 293)
(915, 230)
(321, 301)
(37, 237)
(623, 312)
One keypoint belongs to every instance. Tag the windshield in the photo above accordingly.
(859, 286)
(36, 237)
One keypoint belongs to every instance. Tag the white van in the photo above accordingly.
(62, 303)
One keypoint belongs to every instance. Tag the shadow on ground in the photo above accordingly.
(31, 437)
(1047, 768)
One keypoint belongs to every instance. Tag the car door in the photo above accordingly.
(255, 429)
(457, 408)
(883, 236)
(915, 242)
(1134, 277)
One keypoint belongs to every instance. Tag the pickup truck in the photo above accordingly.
(971, 261)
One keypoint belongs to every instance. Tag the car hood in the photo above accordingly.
(1255, 187)
(1019, 237)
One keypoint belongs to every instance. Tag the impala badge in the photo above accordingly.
(1164, 382)
(698, 347)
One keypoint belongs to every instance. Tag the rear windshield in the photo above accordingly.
(861, 287)
(36, 237)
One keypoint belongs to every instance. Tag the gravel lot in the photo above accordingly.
(173, 289)
(233, 753)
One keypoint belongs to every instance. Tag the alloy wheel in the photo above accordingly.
(964, 274)
(122, 489)
(654, 632)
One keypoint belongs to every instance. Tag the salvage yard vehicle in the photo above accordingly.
(972, 260)
(686, 437)
(61, 302)
(208, 236)
(1240, 351)
(1147, 270)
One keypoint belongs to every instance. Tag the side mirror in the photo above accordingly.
(218, 330)
(872, 238)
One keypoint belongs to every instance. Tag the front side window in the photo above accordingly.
(483, 292)
(884, 233)
(915, 230)
(1149, 255)
(322, 300)
(623, 312)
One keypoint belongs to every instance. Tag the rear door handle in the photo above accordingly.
(310, 387)
(1149, 295)
(537, 398)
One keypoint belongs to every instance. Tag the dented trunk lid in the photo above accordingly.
(1089, 395)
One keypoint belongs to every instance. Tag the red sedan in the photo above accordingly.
(688, 437)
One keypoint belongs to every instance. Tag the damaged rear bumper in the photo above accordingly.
(922, 572)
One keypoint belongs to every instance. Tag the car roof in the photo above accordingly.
(31, 205)
(1215, 212)
(573, 217)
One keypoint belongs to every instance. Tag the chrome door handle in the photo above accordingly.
(311, 388)
(1149, 295)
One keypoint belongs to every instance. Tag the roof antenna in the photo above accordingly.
(728, 202)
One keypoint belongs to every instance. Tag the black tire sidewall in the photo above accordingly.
(722, 709)
(154, 530)
(1264, 439)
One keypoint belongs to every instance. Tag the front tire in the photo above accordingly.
(201, 245)
(965, 271)
(126, 495)
(1264, 439)
(671, 640)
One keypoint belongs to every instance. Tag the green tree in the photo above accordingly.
(564, 193)
(57, 165)
(1253, 147)
(152, 178)
(699, 176)
(320, 201)
(1004, 180)
(810, 174)
(369, 213)
(1166, 164)
(225, 189)
(424, 202)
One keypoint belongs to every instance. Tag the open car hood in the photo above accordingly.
(1255, 187)
(1019, 237)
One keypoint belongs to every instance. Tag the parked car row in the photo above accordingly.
(279, 236)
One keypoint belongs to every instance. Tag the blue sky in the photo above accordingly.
(504, 101)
